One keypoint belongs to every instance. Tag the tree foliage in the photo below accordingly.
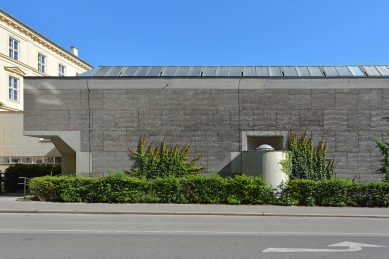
(384, 149)
(15, 171)
(308, 161)
(162, 161)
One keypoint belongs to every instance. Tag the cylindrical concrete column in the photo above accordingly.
(265, 163)
(271, 167)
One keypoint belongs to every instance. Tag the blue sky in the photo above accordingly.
(213, 32)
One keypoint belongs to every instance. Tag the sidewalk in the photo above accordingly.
(9, 204)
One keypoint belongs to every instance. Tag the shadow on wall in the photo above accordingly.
(226, 170)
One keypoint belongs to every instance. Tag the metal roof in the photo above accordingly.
(237, 71)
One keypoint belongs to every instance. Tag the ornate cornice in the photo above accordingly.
(33, 35)
(15, 70)
(18, 63)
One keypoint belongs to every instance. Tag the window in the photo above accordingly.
(61, 70)
(41, 63)
(13, 49)
(13, 88)
(58, 160)
(15, 159)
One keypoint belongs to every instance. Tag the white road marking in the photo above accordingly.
(300, 250)
(352, 247)
(178, 232)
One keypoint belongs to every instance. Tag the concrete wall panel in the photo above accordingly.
(212, 113)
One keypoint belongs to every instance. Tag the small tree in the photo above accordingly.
(309, 162)
(384, 149)
(162, 161)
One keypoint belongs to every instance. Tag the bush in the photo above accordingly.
(122, 188)
(249, 190)
(309, 162)
(384, 149)
(46, 188)
(209, 190)
(336, 192)
(15, 171)
(162, 161)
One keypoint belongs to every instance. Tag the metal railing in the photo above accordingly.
(25, 184)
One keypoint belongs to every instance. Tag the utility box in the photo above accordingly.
(265, 162)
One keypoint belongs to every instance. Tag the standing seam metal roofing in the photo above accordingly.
(234, 71)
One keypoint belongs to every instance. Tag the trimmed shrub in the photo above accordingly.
(15, 171)
(122, 188)
(209, 190)
(166, 190)
(46, 188)
(249, 190)
(336, 192)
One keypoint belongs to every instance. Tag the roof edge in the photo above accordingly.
(45, 38)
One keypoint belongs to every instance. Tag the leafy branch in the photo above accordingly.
(162, 161)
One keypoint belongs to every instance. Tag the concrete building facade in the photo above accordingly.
(93, 119)
(25, 52)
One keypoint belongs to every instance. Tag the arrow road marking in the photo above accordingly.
(352, 247)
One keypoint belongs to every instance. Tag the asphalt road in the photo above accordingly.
(143, 236)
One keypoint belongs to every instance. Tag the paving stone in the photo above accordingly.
(103, 120)
(184, 98)
(161, 99)
(93, 141)
(93, 100)
(58, 120)
(242, 120)
(358, 120)
(46, 100)
(335, 120)
(346, 99)
(369, 99)
(288, 120)
(265, 120)
(69, 100)
(138, 99)
(253, 99)
(377, 121)
(358, 163)
(347, 142)
(79, 120)
(207, 99)
(276, 99)
(299, 99)
(115, 99)
(366, 140)
(312, 120)
(323, 99)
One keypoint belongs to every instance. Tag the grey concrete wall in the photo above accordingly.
(212, 113)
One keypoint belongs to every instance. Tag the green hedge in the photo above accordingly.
(209, 190)
(122, 188)
(15, 171)
(336, 192)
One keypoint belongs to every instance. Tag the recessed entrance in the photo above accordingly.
(253, 139)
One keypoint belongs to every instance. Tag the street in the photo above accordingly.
(145, 236)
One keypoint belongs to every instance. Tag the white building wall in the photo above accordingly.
(30, 43)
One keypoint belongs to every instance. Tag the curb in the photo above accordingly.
(260, 214)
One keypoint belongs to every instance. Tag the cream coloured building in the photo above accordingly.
(25, 52)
